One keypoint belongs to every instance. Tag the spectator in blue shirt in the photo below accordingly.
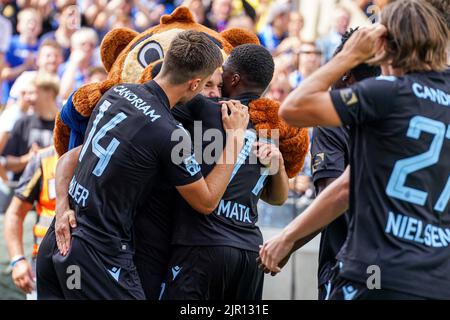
(21, 55)
(277, 28)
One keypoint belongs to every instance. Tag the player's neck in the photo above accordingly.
(173, 92)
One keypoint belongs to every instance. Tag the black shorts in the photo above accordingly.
(213, 273)
(84, 273)
(152, 278)
(344, 289)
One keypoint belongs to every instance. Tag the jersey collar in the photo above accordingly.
(153, 87)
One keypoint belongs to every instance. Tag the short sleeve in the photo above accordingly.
(366, 101)
(329, 152)
(30, 182)
(178, 159)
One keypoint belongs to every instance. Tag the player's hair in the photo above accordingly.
(443, 6)
(191, 54)
(254, 62)
(363, 70)
(417, 36)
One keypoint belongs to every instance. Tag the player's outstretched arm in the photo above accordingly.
(204, 195)
(310, 104)
(277, 189)
(64, 216)
(329, 205)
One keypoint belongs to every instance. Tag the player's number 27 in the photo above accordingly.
(396, 185)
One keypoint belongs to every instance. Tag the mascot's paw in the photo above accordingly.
(294, 142)
(61, 136)
(85, 99)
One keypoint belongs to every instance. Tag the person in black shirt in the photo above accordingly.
(400, 142)
(34, 131)
(214, 257)
(330, 153)
(129, 142)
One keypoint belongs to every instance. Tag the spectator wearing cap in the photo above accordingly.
(69, 21)
(332, 40)
(21, 55)
(277, 28)
(74, 72)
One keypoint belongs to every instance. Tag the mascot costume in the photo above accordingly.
(129, 56)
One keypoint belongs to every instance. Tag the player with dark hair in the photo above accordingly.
(330, 154)
(128, 146)
(399, 173)
(214, 257)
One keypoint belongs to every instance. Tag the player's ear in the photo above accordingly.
(235, 79)
(194, 84)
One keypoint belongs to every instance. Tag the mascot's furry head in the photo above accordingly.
(129, 56)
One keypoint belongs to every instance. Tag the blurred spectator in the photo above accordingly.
(292, 42)
(74, 72)
(332, 40)
(213, 88)
(9, 9)
(296, 23)
(96, 74)
(48, 60)
(220, 14)
(21, 55)
(198, 10)
(276, 29)
(69, 21)
(5, 39)
(310, 58)
(37, 185)
(241, 21)
(35, 131)
(279, 88)
(24, 105)
(141, 14)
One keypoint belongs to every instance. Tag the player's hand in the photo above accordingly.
(272, 252)
(269, 155)
(282, 263)
(22, 276)
(365, 43)
(234, 115)
(64, 221)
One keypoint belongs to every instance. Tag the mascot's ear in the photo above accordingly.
(181, 14)
(113, 43)
(238, 36)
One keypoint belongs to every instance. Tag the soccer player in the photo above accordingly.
(400, 143)
(128, 147)
(330, 153)
(214, 257)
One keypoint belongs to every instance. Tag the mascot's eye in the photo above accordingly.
(149, 53)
